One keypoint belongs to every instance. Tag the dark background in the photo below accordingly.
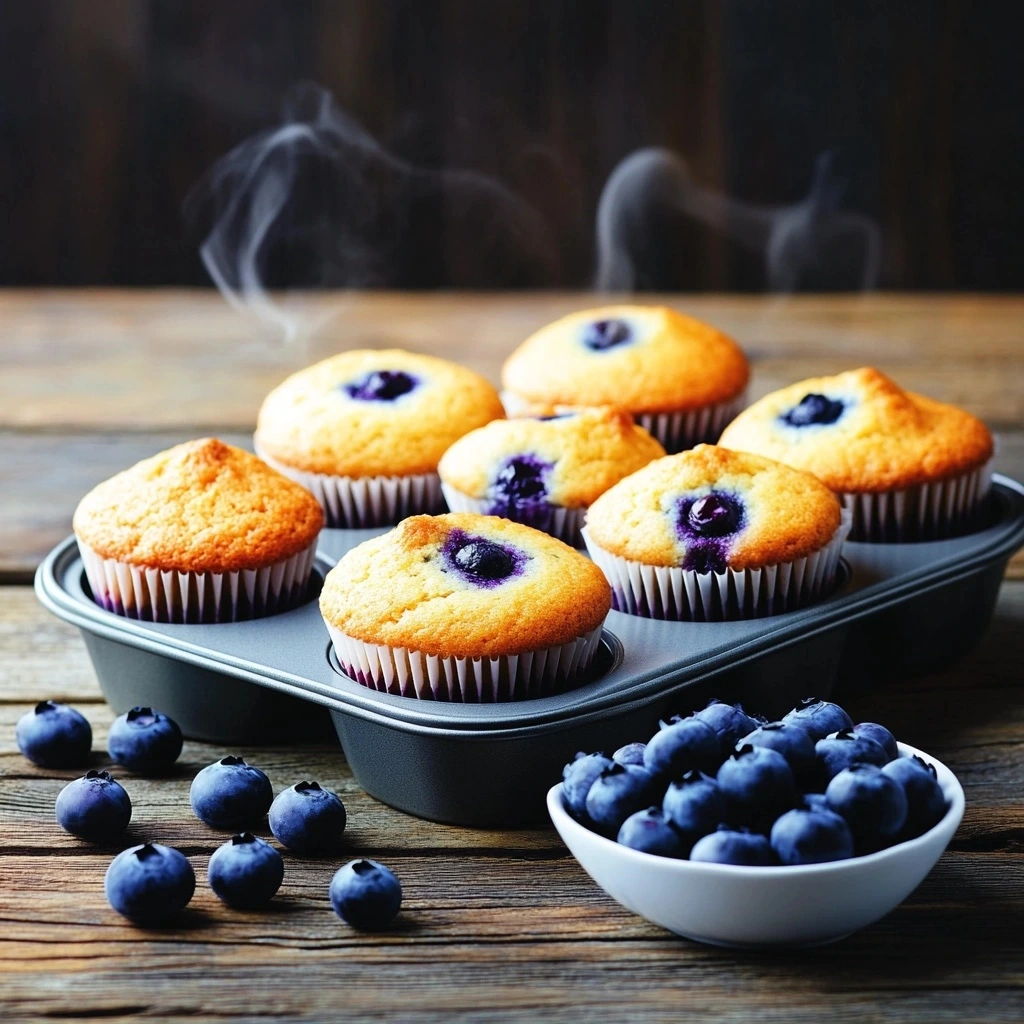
(112, 110)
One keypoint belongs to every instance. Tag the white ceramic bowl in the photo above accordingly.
(762, 906)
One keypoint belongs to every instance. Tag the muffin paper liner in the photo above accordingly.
(677, 431)
(365, 501)
(160, 595)
(669, 592)
(409, 673)
(563, 523)
(934, 511)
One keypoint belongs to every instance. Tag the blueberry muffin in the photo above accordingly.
(544, 472)
(364, 431)
(203, 532)
(681, 379)
(466, 608)
(715, 534)
(908, 467)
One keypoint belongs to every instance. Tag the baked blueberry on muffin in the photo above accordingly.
(908, 467)
(682, 380)
(364, 431)
(466, 608)
(715, 534)
(203, 532)
(544, 472)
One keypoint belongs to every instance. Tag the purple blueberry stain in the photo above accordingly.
(602, 335)
(482, 562)
(381, 386)
(519, 491)
(705, 524)
(814, 410)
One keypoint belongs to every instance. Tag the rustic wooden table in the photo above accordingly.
(496, 925)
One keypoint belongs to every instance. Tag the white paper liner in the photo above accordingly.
(410, 673)
(932, 511)
(669, 592)
(158, 595)
(563, 523)
(677, 431)
(359, 502)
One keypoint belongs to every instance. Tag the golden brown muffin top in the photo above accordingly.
(202, 506)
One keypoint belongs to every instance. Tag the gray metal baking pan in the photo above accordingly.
(270, 680)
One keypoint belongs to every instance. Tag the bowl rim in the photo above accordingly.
(954, 793)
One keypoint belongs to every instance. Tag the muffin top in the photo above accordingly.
(709, 509)
(859, 431)
(202, 506)
(567, 460)
(464, 585)
(640, 358)
(373, 413)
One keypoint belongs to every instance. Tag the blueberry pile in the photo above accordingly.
(725, 787)
(151, 883)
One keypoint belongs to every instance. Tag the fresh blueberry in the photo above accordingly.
(144, 741)
(245, 872)
(651, 832)
(811, 837)
(834, 753)
(381, 386)
(730, 721)
(366, 895)
(714, 515)
(307, 818)
(695, 806)
(230, 794)
(605, 334)
(758, 786)
(679, 747)
(880, 735)
(818, 717)
(926, 803)
(149, 883)
(792, 742)
(95, 807)
(813, 802)
(53, 735)
(577, 778)
(734, 846)
(814, 410)
(873, 803)
(619, 791)
(631, 753)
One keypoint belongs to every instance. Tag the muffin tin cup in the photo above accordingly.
(352, 502)
(563, 523)
(158, 595)
(682, 595)
(404, 672)
(931, 511)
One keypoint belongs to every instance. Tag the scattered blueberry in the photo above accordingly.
(819, 717)
(53, 735)
(245, 872)
(734, 846)
(792, 742)
(680, 746)
(366, 895)
(149, 883)
(95, 807)
(714, 515)
(695, 806)
(619, 791)
(811, 837)
(307, 818)
(834, 753)
(880, 735)
(230, 794)
(651, 832)
(873, 803)
(578, 776)
(730, 721)
(758, 786)
(926, 803)
(631, 753)
(144, 741)
(605, 334)
(814, 410)
(381, 386)
(482, 561)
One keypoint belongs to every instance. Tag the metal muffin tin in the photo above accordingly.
(898, 608)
